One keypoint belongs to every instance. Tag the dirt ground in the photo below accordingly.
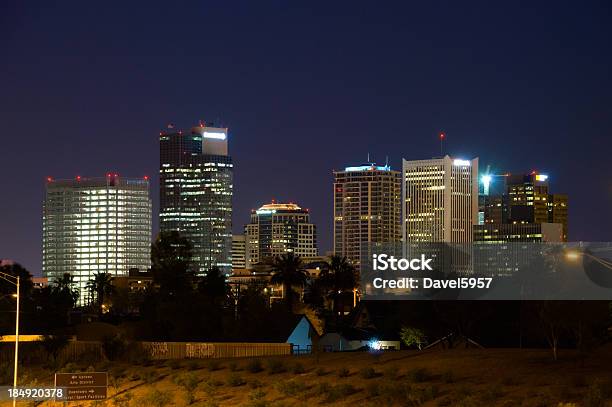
(459, 377)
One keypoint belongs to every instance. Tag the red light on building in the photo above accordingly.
(78, 177)
(49, 179)
(442, 136)
(146, 177)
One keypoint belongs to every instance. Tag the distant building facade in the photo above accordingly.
(440, 200)
(367, 209)
(278, 228)
(524, 210)
(196, 188)
(240, 258)
(96, 225)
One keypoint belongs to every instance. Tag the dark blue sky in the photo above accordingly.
(305, 87)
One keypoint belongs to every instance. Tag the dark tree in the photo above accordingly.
(100, 288)
(170, 256)
(337, 279)
(288, 271)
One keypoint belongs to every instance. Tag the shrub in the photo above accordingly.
(188, 381)
(193, 365)
(255, 384)
(339, 392)
(298, 368)
(321, 371)
(419, 375)
(149, 376)
(257, 395)
(291, 387)
(235, 380)
(491, 394)
(448, 377)
(213, 365)
(233, 366)
(174, 364)
(276, 366)
(254, 366)
(391, 373)
(368, 373)
(322, 389)
(344, 372)
(156, 398)
(114, 346)
(123, 400)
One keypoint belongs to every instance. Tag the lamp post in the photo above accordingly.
(15, 281)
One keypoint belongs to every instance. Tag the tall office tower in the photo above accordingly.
(240, 250)
(96, 225)
(196, 176)
(530, 201)
(440, 200)
(277, 228)
(367, 209)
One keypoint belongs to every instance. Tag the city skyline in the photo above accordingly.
(514, 97)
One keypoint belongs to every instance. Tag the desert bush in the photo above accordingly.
(368, 373)
(174, 364)
(276, 366)
(213, 365)
(391, 373)
(233, 367)
(193, 365)
(149, 376)
(290, 387)
(343, 372)
(491, 394)
(189, 382)
(510, 381)
(123, 400)
(255, 384)
(155, 398)
(419, 375)
(321, 371)
(322, 389)
(235, 380)
(339, 392)
(254, 366)
(448, 377)
(298, 368)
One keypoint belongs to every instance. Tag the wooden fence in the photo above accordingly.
(92, 351)
(203, 350)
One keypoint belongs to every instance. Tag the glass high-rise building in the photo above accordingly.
(96, 225)
(367, 209)
(278, 228)
(196, 186)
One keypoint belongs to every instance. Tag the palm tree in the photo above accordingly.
(288, 270)
(339, 277)
(100, 286)
(66, 290)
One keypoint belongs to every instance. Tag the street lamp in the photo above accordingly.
(15, 281)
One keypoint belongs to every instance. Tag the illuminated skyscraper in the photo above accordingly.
(440, 200)
(525, 199)
(278, 228)
(96, 225)
(367, 209)
(196, 176)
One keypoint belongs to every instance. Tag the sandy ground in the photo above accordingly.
(460, 377)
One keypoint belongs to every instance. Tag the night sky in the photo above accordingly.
(305, 88)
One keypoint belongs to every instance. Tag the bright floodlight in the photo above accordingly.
(572, 255)
(486, 182)
(374, 344)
